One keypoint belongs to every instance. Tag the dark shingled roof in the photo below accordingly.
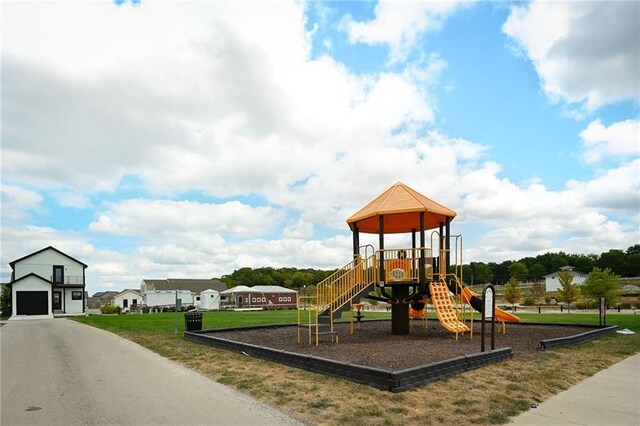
(105, 296)
(195, 285)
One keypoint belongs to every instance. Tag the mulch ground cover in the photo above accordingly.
(374, 345)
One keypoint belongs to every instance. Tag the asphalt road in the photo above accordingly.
(60, 372)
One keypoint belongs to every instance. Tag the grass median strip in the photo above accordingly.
(489, 395)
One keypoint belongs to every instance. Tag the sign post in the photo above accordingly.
(603, 312)
(488, 312)
(178, 307)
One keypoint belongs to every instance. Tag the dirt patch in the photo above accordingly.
(374, 345)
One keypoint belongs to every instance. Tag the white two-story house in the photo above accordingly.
(47, 282)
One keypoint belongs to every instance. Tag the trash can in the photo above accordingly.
(193, 321)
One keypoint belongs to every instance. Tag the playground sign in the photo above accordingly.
(488, 303)
(488, 312)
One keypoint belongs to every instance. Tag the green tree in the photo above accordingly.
(519, 271)
(512, 293)
(569, 291)
(482, 273)
(582, 262)
(614, 260)
(537, 271)
(5, 301)
(500, 272)
(602, 283)
(632, 261)
(538, 291)
(301, 279)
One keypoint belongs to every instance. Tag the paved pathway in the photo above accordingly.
(60, 372)
(611, 397)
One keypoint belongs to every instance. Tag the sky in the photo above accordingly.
(189, 139)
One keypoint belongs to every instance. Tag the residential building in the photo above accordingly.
(552, 281)
(47, 282)
(128, 300)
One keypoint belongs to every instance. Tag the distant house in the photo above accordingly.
(128, 300)
(552, 280)
(196, 286)
(101, 298)
(47, 282)
(260, 296)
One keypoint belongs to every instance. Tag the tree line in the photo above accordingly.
(285, 277)
(624, 263)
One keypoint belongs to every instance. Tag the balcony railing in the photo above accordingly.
(69, 279)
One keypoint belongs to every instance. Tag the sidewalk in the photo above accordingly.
(610, 397)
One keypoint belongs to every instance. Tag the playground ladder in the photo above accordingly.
(441, 300)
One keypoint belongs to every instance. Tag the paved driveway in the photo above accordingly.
(60, 372)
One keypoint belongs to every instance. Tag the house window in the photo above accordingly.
(58, 274)
(134, 302)
(125, 303)
(76, 295)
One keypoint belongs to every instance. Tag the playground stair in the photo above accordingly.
(441, 299)
(334, 296)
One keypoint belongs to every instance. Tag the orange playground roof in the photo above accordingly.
(401, 207)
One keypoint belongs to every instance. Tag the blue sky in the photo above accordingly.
(192, 139)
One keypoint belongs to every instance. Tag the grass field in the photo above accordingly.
(223, 319)
(490, 395)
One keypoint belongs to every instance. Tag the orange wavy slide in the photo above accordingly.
(476, 303)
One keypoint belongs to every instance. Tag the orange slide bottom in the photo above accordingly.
(501, 315)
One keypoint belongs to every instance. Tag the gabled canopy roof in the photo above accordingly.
(401, 207)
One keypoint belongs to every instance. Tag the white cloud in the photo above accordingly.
(400, 24)
(208, 104)
(137, 217)
(300, 229)
(617, 189)
(18, 202)
(72, 199)
(585, 53)
(619, 140)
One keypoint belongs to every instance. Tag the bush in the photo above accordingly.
(547, 299)
(528, 301)
(110, 309)
(636, 304)
(587, 304)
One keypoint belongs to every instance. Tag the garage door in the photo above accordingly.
(32, 302)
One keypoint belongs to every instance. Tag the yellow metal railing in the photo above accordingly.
(339, 288)
(403, 264)
(336, 291)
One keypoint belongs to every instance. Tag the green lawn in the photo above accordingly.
(225, 319)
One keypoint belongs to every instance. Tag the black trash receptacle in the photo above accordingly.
(193, 321)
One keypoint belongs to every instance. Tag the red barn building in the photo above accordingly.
(259, 296)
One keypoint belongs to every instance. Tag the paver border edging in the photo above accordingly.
(393, 381)
(578, 338)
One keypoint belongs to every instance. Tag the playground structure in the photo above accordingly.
(407, 278)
